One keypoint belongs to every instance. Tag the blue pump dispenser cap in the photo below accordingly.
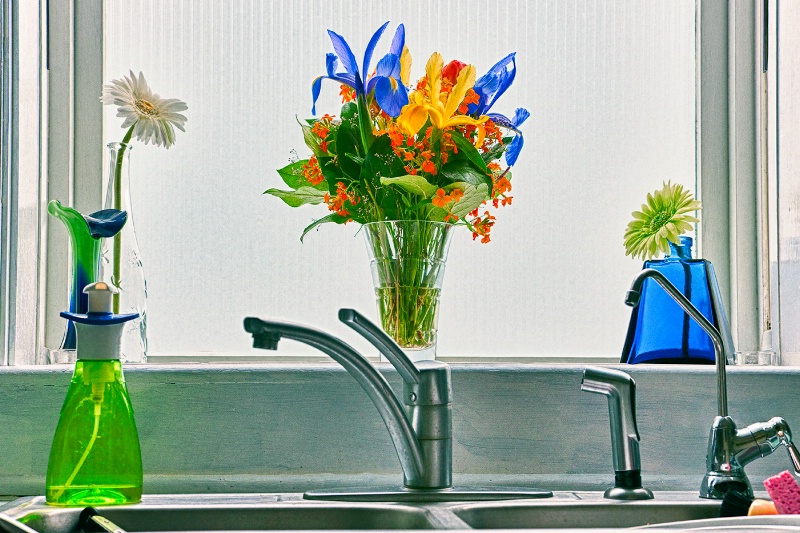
(99, 314)
(99, 330)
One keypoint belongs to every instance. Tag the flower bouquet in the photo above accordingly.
(409, 163)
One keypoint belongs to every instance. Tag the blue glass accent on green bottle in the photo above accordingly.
(659, 330)
(95, 458)
(85, 235)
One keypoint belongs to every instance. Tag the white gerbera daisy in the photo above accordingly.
(148, 116)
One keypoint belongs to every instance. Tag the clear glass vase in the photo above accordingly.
(407, 260)
(120, 262)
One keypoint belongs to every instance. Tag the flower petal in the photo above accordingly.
(371, 47)
(391, 95)
(344, 52)
(514, 149)
(398, 41)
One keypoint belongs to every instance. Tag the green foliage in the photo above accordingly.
(298, 197)
(413, 184)
(465, 172)
(292, 175)
(333, 217)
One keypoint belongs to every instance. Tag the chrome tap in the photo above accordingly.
(620, 389)
(729, 448)
(422, 433)
(423, 438)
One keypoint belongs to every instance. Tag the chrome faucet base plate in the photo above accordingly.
(402, 494)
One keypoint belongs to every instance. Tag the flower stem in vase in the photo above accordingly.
(117, 259)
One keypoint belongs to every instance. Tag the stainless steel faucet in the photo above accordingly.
(620, 389)
(729, 448)
(422, 433)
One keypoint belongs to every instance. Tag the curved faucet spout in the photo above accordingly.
(266, 335)
(632, 299)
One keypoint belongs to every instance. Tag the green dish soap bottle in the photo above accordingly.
(95, 458)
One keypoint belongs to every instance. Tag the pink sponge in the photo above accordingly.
(785, 492)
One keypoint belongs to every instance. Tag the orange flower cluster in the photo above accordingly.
(481, 226)
(447, 201)
(312, 171)
(501, 186)
(343, 196)
(321, 129)
(470, 98)
(347, 93)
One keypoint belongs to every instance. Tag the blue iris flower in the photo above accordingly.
(389, 92)
(493, 84)
(513, 124)
(489, 88)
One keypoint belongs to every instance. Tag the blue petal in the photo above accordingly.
(494, 83)
(344, 53)
(371, 47)
(371, 83)
(316, 85)
(514, 149)
(520, 116)
(399, 41)
(391, 96)
(502, 120)
(330, 63)
(388, 65)
(106, 222)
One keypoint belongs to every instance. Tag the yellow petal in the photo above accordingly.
(433, 71)
(481, 135)
(405, 65)
(461, 120)
(465, 82)
(412, 118)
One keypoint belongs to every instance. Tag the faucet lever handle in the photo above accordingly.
(794, 456)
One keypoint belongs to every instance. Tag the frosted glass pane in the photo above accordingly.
(611, 88)
(788, 180)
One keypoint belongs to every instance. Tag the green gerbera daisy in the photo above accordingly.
(663, 219)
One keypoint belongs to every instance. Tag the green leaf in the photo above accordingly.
(413, 184)
(330, 171)
(301, 196)
(347, 143)
(292, 174)
(311, 139)
(333, 217)
(381, 161)
(494, 153)
(463, 171)
(349, 111)
(472, 199)
(468, 149)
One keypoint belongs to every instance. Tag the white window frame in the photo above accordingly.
(70, 167)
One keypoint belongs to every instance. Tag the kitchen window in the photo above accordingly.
(613, 91)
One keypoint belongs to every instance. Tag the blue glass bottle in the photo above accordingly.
(659, 330)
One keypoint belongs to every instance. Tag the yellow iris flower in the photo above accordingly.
(440, 108)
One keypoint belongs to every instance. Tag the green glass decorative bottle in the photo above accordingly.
(95, 458)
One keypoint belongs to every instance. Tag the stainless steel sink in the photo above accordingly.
(273, 512)
(583, 514)
(208, 516)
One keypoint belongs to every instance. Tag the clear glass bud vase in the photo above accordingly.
(120, 263)
(407, 260)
